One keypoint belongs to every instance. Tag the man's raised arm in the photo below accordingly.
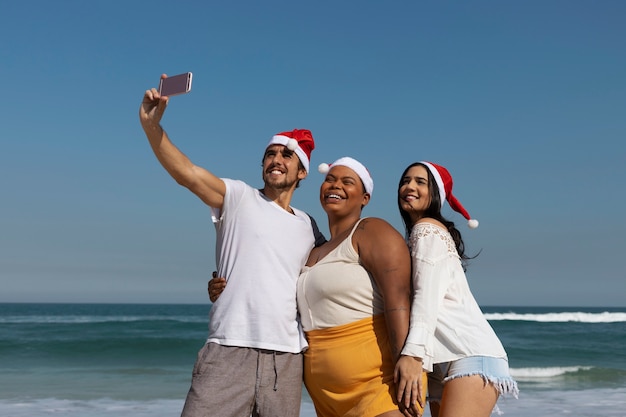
(208, 187)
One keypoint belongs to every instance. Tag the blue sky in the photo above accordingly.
(524, 102)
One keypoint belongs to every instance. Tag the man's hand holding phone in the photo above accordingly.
(155, 101)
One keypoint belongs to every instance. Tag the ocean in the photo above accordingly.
(135, 360)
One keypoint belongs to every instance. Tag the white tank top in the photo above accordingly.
(337, 290)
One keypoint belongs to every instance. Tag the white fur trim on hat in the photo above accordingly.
(354, 165)
(292, 145)
(439, 180)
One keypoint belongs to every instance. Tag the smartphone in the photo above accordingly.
(176, 84)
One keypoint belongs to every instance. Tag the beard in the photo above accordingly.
(279, 185)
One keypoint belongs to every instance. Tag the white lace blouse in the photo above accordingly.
(446, 321)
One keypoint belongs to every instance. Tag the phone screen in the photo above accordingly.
(176, 84)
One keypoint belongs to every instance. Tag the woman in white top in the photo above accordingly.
(467, 364)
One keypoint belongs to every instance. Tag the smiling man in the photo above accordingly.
(252, 361)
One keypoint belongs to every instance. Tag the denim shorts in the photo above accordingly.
(494, 371)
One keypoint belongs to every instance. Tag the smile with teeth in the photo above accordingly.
(334, 196)
(410, 198)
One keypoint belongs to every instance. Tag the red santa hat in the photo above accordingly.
(444, 183)
(356, 166)
(299, 141)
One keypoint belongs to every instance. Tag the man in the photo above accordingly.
(251, 363)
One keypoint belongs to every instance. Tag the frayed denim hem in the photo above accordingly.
(504, 386)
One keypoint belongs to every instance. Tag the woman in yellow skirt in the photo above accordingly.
(354, 298)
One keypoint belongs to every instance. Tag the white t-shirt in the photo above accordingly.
(260, 250)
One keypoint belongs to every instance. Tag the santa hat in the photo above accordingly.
(444, 183)
(356, 166)
(299, 141)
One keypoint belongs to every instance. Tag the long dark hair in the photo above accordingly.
(434, 212)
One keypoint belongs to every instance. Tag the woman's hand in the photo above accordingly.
(216, 286)
(410, 385)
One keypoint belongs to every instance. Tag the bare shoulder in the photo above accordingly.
(376, 230)
(371, 225)
(380, 246)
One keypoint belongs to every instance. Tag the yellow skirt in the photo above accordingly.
(348, 369)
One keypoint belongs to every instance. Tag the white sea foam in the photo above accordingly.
(95, 408)
(548, 372)
(104, 408)
(537, 403)
(581, 317)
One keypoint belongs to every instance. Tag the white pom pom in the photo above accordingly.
(323, 168)
(473, 223)
(292, 144)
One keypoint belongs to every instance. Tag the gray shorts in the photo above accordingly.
(230, 381)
